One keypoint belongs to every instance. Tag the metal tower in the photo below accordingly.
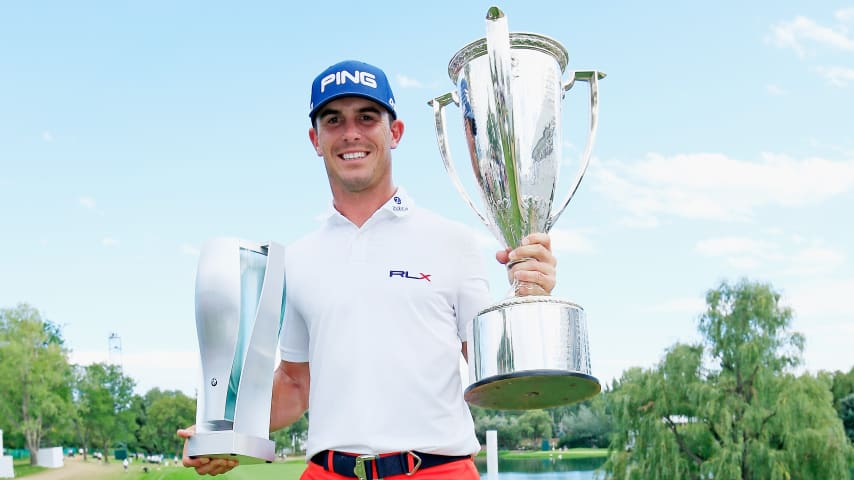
(115, 350)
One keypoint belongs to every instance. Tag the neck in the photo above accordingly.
(358, 207)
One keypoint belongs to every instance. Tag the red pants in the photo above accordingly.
(459, 470)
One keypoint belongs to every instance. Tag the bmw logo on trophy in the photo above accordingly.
(526, 351)
(240, 288)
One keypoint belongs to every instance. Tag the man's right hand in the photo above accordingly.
(204, 465)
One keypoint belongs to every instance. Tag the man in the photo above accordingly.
(379, 301)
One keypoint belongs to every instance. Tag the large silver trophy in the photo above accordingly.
(239, 299)
(527, 351)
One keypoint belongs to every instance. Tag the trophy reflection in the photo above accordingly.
(526, 351)
(240, 290)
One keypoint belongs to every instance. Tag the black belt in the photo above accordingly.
(362, 466)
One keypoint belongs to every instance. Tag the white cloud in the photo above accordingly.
(837, 76)
(188, 249)
(574, 241)
(161, 369)
(160, 359)
(484, 239)
(87, 358)
(87, 202)
(714, 186)
(797, 258)
(723, 246)
(743, 253)
(152, 359)
(845, 15)
(775, 90)
(825, 298)
(798, 33)
(109, 242)
(408, 82)
(816, 261)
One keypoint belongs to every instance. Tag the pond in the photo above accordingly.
(554, 468)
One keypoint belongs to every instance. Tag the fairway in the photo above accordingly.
(77, 469)
(290, 470)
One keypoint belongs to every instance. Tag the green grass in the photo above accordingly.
(23, 468)
(289, 470)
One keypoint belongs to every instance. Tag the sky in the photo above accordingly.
(133, 132)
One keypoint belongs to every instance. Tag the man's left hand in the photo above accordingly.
(532, 265)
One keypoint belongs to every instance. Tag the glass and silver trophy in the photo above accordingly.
(240, 289)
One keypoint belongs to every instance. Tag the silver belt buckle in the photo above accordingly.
(359, 469)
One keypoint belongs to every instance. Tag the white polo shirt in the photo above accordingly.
(380, 312)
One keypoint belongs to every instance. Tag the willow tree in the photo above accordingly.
(35, 391)
(729, 407)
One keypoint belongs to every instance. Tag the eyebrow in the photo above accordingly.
(332, 111)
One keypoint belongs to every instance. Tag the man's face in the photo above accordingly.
(355, 137)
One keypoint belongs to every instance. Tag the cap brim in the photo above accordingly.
(316, 109)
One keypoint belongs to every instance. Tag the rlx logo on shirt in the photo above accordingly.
(405, 274)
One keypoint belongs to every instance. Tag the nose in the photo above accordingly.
(351, 132)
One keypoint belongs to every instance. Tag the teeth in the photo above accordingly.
(351, 156)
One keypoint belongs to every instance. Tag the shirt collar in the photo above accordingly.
(399, 205)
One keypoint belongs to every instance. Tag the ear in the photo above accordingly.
(312, 135)
(396, 132)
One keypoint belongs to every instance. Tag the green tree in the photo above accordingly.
(729, 408)
(104, 396)
(164, 415)
(140, 405)
(846, 413)
(293, 436)
(35, 392)
(535, 425)
(588, 426)
(842, 385)
(505, 423)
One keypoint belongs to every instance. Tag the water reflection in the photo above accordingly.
(553, 468)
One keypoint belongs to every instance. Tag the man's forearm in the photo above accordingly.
(290, 394)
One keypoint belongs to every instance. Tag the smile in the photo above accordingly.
(353, 155)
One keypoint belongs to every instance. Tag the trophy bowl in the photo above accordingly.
(527, 351)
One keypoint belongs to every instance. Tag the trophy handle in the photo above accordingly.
(592, 78)
(439, 104)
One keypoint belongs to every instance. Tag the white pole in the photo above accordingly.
(491, 455)
(1, 442)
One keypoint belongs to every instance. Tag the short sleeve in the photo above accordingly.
(473, 292)
(293, 341)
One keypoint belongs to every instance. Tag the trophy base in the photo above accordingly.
(247, 450)
(530, 352)
(532, 389)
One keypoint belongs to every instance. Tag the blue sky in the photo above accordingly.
(132, 132)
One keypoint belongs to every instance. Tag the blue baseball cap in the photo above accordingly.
(351, 78)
